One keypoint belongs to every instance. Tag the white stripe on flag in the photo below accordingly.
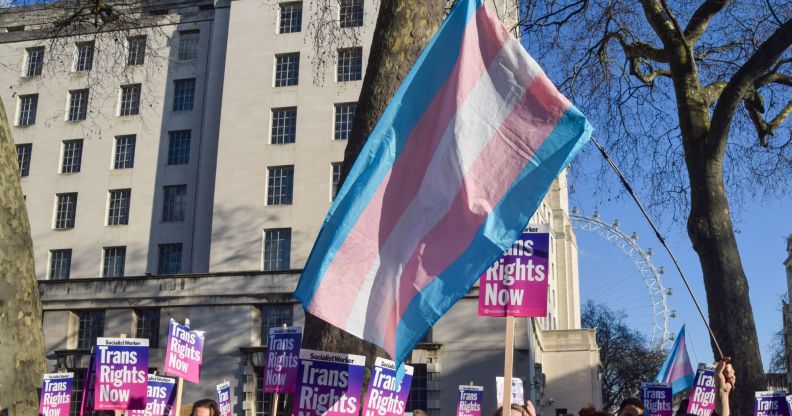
(489, 103)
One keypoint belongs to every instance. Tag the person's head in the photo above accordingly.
(516, 410)
(631, 407)
(205, 407)
(419, 412)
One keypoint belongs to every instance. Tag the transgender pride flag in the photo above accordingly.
(451, 174)
(676, 369)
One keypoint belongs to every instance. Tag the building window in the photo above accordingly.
(174, 203)
(170, 256)
(77, 392)
(183, 94)
(280, 183)
(34, 61)
(290, 17)
(418, 396)
(284, 125)
(148, 326)
(351, 13)
(78, 105)
(277, 249)
(124, 157)
(350, 64)
(130, 100)
(65, 210)
(91, 327)
(335, 177)
(27, 109)
(287, 69)
(344, 116)
(179, 147)
(60, 264)
(118, 207)
(84, 58)
(113, 261)
(24, 152)
(273, 316)
(188, 44)
(137, 50)
(264, 401)
(72, 156)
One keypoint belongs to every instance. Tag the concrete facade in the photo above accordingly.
(221, 283)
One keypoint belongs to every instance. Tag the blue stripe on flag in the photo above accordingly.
(502, 227)
(386, 143)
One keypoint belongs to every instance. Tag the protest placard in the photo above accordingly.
(283, 359)
(121, 373)
(184, 353)
(386, 396)
(328, 383)
(224, 399)
(86, 404)
(517, 395)
(789, 403)
(469, 401)
(702, 394)
(516, 284)
(771, 403)
(56, 390)
(657, 399)
(160, 397)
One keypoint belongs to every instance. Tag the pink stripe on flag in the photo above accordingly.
(345, 275)
(511, 149)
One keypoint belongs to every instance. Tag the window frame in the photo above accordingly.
(34, 68)
(83, 56)
(119, 202)
(174, 203)
(287, 69)
(24, 156)
(293, 24)
(129, 100)
(111, 265)
(184, 94)
(150, 325)
(343, 119)
(78, 105)
(284, 125)
(349, 64)
(125, 159)
(351, 13)
(96, 329)
(179, 146)
(27, 112)
(60, 272)
(189, 41)
(271, 240)
(335, 177)
(65, 211)
(136, 50)
(280, 185)
(164, 249)
(71, 156)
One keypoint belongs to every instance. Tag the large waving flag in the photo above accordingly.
(451, 174)
(676, 369)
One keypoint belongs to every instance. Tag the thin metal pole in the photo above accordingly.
(662, 241)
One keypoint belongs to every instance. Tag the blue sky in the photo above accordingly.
(762, 227)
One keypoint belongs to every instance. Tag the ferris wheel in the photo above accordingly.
(651, 275)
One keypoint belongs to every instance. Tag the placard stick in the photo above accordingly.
(119, 412)
(508, 364)
(276, 398)
(180, 383)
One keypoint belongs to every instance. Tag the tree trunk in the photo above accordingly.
(21, 340)
(404, 27)
(730, 313)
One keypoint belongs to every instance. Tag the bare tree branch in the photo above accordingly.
(646, 77)
(754, 103)
(660, 21)
(701, 18)
(742, 82)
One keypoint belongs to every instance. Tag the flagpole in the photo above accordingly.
(629, 189)
(508, 365)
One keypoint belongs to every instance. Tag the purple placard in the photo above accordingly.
(516, 284)
(160, 397)
(771, 403)
(224, 399)
(789, 403)
(184, 353)
(328, 383)
(702, 394)
(56, 390)
(283, 359)
(469, 401)
(121, 373)
(657, 399)
(385, 396)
